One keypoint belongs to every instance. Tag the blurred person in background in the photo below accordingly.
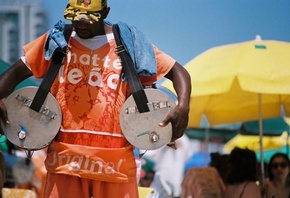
(241, 178)
(169, 165)
(278, 181)
(202, 182)
(221, 163)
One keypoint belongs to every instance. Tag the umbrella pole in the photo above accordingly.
(206, 137)
(261, 141)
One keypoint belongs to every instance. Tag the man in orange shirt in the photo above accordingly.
(90, 157)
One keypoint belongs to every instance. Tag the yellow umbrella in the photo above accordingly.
(240, 82)
(253, 142)
(227, 80)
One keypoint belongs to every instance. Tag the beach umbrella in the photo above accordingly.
(240, 82)
(218, 134)
(271, 127)
(224, 133)
(211, 134)
(275, 135)
(269, 153)
(252, 142)
(275, 138)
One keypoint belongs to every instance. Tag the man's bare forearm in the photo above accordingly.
(181, 83)
(12, 77)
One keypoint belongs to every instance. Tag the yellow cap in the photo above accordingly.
(79, 9)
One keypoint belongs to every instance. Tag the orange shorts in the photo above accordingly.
(66, 186)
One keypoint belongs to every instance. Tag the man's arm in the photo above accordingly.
(12, 77)
(9, 80)
(179, 115)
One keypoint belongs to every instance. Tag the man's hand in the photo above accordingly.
(178, 117)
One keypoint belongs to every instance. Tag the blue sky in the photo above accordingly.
(186, 28)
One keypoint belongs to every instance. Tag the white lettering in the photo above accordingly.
(113, 81)
(75, 76)
(60, 158)
(100, 166)
(74, 167)
(85, 59)
(95, 78)
(74, 56)
(78, 158)
(95, 60)
(76, 163)
(110, 168)
(87, 162)
(51, 156)
(106, 61)
(117, 64)
(68, 158)
(119, 165)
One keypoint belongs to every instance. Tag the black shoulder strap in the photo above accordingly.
(137, 90)
(243, 189)
(68, 28)
(50, 75)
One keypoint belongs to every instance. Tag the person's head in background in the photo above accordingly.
(242, 166)
(278, 167)
(221, 163)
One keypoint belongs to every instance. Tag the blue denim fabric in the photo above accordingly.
(136, 43)
(140, 49)
(55, 40)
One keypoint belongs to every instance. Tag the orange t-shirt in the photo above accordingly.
(90, 91)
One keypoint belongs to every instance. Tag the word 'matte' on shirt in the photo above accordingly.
(102, 70)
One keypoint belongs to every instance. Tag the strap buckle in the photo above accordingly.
(120, 49)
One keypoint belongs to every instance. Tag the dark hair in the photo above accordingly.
(282, 155)
(243, 166)
(220, 162)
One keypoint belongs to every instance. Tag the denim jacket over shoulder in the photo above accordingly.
(135, 42)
